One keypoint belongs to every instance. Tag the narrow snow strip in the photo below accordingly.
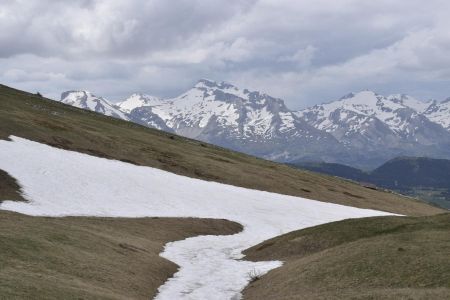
(60, 183)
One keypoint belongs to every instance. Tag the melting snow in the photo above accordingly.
(61, 183)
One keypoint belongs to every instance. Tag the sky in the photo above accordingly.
(304, 51)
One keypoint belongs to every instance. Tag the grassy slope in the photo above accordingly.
(371, 258)
(9, 189)
(88, 258)
(46, 121)
(91, 258)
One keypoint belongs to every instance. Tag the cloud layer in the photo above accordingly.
(304, 51)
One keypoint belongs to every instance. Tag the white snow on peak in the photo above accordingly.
(362, 107)
(195, 108)
(203, 83)
(411, 102)
(210, 86)
(87, 100)
(80, 99)
(439, 113)
(222, 103)
(138, 100)
(63, 183)
(253, 115)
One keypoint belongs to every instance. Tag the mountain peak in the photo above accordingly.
(138, 100)
(360, 94)
(410, 102)
(366, 93)
(391, 102)
(87, 100)
(138, 95)
(76, 94)
(364, 98)
(207, 83)
(347, 96)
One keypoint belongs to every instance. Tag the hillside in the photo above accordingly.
(91, 258)
(107, 187)
(334, 170)
(46, 121)
(68, 183)
(371, 258)
(422, 172)
(428, 179)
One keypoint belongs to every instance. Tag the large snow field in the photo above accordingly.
(61, 183)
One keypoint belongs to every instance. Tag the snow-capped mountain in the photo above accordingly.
(86, 100)
(225, 115)
(439, 113)
(362, 129)
(369, 115)
(380, 126)
(354, 111)
(139, 107)
(138, 100)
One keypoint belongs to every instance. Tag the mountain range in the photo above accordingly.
(361, 129)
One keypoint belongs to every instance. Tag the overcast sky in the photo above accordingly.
(305, 52)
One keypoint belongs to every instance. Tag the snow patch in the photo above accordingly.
(62, 183)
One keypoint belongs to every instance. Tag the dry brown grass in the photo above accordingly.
(370, 258)
(35, 118)
(9, 189)
(91, 258)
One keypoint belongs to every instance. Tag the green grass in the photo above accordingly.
(91, 258)
(35, 118)
(371, 258)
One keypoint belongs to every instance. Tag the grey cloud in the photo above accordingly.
(114, 28)
(304, 51)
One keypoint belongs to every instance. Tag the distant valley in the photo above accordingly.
(425, 178)
(363, 129)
